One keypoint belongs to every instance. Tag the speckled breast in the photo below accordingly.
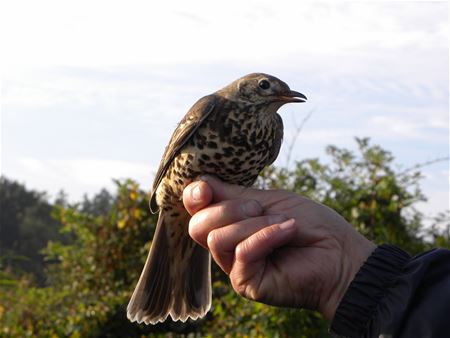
(235, 149)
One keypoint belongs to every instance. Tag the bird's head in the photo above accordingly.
(260, 89)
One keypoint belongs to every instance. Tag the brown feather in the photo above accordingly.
(184, 131)
(168, 287)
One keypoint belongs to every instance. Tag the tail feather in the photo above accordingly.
(197, 296)
(160, 286)
(176, 279)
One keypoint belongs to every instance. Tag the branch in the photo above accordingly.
(423, 164)
(298, 129)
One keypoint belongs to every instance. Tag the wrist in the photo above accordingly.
(368, 290)
(356, 251)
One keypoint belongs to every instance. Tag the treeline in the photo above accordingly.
(69, 270)
(28, 223)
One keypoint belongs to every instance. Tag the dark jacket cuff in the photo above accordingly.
(367, 289)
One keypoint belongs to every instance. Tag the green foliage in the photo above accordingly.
(233, 316)
(26, 226)
(364, 188)
(90, 278)
(439, 232)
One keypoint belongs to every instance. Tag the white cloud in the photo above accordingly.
(400, 127)
(93, 89)
(101, 33)
(77, 175)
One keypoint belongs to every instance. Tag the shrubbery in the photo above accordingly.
(91, 274)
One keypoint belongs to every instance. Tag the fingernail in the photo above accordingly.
(196, 193)
(251, 208)
(287, 225)
(276, 219)
(205, 178)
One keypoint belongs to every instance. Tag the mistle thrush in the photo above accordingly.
(232, 134)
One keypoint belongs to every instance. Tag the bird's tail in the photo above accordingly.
(176, 279)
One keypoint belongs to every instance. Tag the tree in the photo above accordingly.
(100, 204)
(363, 187)
(26, 226)
(91, 279)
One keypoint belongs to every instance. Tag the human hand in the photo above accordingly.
(277, 247)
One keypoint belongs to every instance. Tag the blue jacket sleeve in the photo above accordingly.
(395, 295)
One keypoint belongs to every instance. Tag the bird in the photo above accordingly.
(232, 134)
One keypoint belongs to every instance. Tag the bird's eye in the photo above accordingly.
(264, 84)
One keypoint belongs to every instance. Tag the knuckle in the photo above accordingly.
(250, 208)
(213, 240)
(243, 287)
(196, 231)
(242, 251)
(238, 283)
(263, 235)
(193, 232)
(240, 288)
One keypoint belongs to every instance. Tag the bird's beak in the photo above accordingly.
(294, 96)
(290, 96)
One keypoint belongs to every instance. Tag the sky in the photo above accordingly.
(92, 90)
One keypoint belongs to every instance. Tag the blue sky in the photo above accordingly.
(92, 90)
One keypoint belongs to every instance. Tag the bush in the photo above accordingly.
(90, 279)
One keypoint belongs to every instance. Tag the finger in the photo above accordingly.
(196, 196)
(259, 245)
(221, 214)
(222, 241)
(224, 191)
(251, 255)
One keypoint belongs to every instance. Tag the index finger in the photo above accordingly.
(225, 191)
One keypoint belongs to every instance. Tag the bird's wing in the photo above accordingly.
(185, 129)
(273, 153)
